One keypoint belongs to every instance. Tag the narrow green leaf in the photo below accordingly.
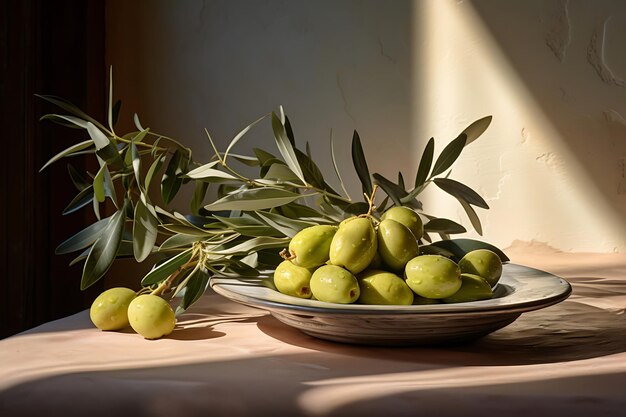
(212, 175)
(137, 122)
(99, 138)
(449, 155)
(444, 226)
(196, 285)
(285, 148)
(68, 152)
(250, 161)
(285, 225)
(240, 135)
(154, 168)
(136, 163)
(458, 190)
(312, 173)
(198, 196)
(109, 187)
(289, 130)
(165, 269)
(263, 156)
(185, 229)
(178, 240)
(64, 120)
(401, 181)
(83, 238)
(125, 251)
(471, 213)
(81, 200)
(255, 244)
(425, 163)
(460, 247)
(69, 107)
(280, 172)
(144, 231)
(476, 129)
(254, 199)
(360, 164)
(104, 250)
(78, 180)
(392, 190)
(170, 184)
(98, 184)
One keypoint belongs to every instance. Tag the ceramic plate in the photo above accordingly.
(520, 289)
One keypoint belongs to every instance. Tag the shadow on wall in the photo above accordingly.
(571, 59)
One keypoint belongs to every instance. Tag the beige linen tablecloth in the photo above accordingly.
(229, 360)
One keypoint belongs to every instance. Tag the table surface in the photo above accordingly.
(231, 360)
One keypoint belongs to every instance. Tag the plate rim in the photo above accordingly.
(219, 285)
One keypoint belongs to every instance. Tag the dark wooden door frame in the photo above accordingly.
(46, 47)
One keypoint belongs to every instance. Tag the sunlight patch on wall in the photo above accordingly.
(535, 186)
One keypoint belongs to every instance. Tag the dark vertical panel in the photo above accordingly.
(46, 47)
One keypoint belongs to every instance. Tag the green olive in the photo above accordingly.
(354, 245)
(484, 263)
(151, 316)
(293, 280)
(433, 276)
(334, 284)
(473, 288)
(377, 262)
(407, 217)
(382, 287)
(109, 311)
(396, 244)
(312, 245)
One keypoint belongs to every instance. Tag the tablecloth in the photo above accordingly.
(225, 359)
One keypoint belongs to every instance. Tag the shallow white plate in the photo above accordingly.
(520, 289)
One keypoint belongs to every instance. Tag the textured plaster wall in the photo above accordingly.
(552, 73)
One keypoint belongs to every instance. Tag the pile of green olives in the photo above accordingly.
(369, 262)
(117, 308)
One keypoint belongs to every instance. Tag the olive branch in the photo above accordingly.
(240, 233)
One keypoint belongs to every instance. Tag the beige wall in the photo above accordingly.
(550, 72)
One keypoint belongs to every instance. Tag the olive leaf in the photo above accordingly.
(461, 191)
(198, 196)
(71, 108)
(104, 250)
(81, 200)
(77, 179)
(285, 148)
(68, 152)
(144, 231)
(471, 213)
(240, 135)
(476, 129)
(425, 163)
(449, 155)
(171, 182)
(196, 285)
(360, 164)
(446, 226)
(177, 241)
(84, 238)
(254, 199)
(460, 247)
(163, 270)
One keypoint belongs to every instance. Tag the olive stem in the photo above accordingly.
(165, 285)
(370, 201)
(287, 255)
